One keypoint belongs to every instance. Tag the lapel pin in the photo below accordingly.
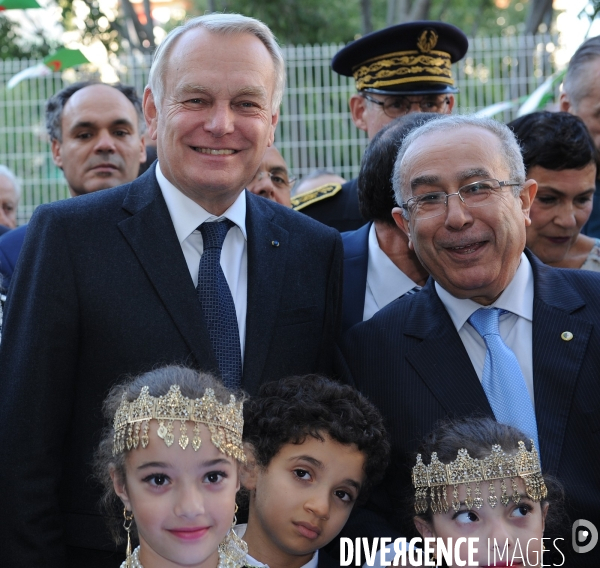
(566, 336)
(275, 243)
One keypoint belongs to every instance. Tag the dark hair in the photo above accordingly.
(375, 193)
(192, 384)
(477, 435)
(554, 141)
(56, 103)
(287, 411)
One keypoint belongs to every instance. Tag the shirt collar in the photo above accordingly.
(187, 215)
(388, 282)
(240, 530)
(517, 297)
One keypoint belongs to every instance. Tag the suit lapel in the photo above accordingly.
(150, 233)
(449, 374)
(556, 362)
(267, 258)
(356, 264)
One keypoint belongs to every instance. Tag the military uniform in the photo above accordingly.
(333, 204)
(403, 60)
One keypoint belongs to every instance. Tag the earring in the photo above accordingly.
(127, 526)
(232, 550)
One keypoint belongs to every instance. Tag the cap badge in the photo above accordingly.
(427, 41)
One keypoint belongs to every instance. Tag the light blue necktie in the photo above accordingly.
(217, 303)
(502, 379)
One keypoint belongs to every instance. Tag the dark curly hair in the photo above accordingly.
(477, 434)
(375, 193)
(287, 411)
(554, 141)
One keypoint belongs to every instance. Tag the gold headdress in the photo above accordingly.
(224, 421)
(466, 470)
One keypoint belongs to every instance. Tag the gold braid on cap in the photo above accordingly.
(421, 65)
(465, 470)
(224, 421)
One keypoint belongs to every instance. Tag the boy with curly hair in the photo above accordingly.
(314, 448)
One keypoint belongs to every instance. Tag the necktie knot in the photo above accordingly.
(214, 233)
(486, 321)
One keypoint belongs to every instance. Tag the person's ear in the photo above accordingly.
(564, 104)
(403, 224)
(424, 527)
(56, 156)
(120, 487)
(249, 470)
(450, 105)
(528, 192)
(150, 113)
(274, 121)
(358, 105)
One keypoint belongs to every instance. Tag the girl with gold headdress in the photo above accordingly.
(169, 464)
(475, 478)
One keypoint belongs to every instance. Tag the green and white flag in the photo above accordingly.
(58, 61)
(18, 5)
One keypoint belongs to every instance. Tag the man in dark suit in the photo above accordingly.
(96, 131)
(107, 285)
(378, 265)
(398, 70)
(465, 208)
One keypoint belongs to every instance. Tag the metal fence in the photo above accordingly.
(315, 129)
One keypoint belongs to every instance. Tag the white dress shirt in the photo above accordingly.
(240, 530)
(385, 281)
(515, 327)
(187, 216)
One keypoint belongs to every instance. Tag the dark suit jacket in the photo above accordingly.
(410, 362)
(592, 227)
(102, 290)
(356, 264)
(10, 247)
(339, 211)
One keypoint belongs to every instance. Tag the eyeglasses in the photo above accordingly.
(474, 194)
(278, 179)
(399, 106)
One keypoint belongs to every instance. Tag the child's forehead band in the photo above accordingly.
(224, 421)
(465, 470)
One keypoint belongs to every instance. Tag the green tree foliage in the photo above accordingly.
(297, 22)
(12, 46)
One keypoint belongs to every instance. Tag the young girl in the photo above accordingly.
(169, 465)
(475, 478)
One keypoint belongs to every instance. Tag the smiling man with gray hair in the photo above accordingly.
(493, 331)
(180, 265)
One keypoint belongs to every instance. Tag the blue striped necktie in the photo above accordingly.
(502, 379)
(217, 303)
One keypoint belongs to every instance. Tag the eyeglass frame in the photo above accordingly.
(259, 175)
(418, 198)
(381, 104)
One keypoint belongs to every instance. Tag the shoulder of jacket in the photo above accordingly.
(319, 194)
